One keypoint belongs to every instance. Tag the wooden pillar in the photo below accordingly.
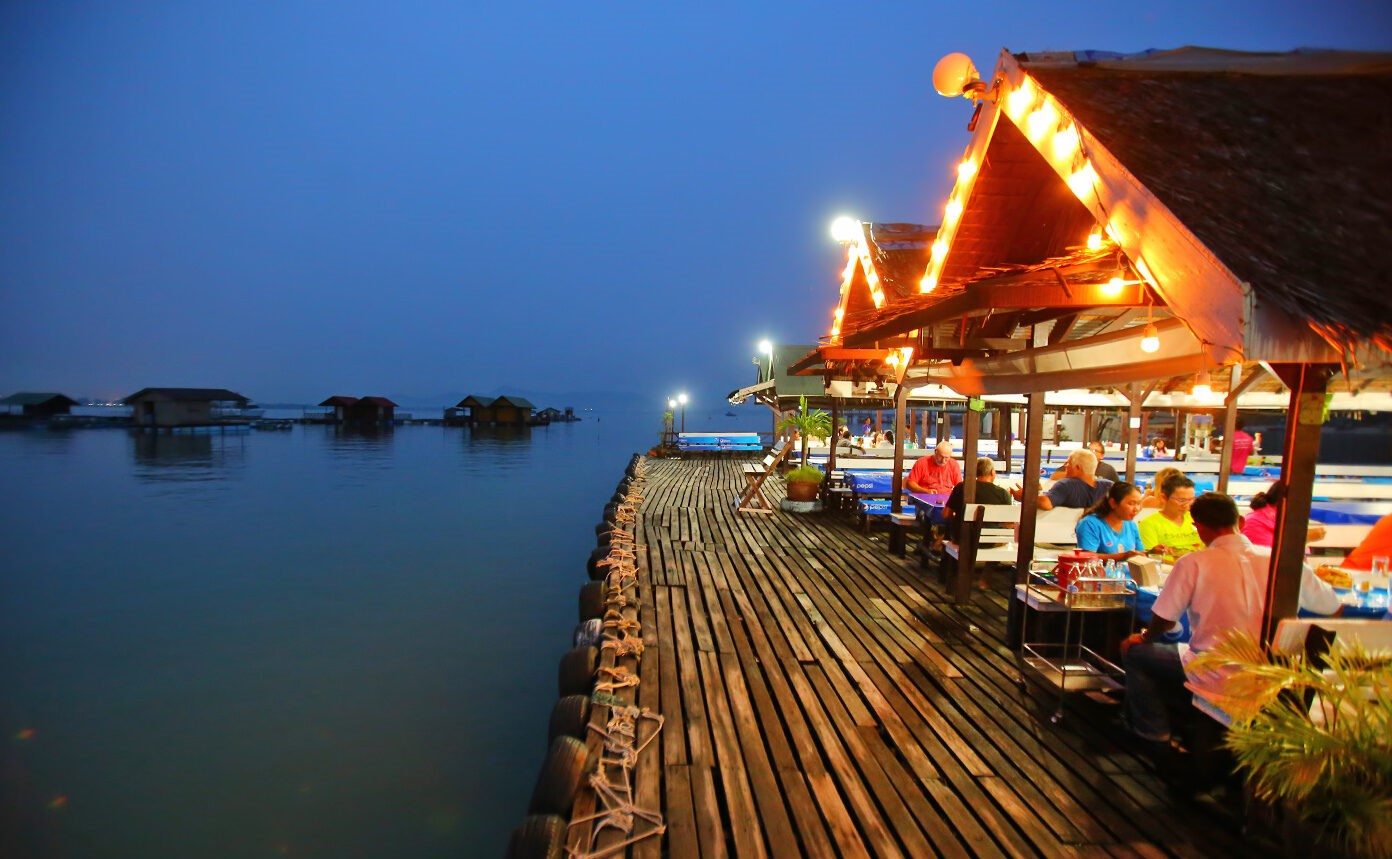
(1087, 427)
(1007, 437)
(831, 453)
(896, 504)
(944, 424)
(971, 429)
(1181, 431)
(1029, 494)
(1236, 386)
(878, 413)
(1304, 418)
(1133, 430)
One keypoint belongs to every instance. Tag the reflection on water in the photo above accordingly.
(187, 456)
(348, 650)
(496, 449)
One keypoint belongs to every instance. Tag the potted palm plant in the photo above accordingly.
(804, 480)
(1314, 742)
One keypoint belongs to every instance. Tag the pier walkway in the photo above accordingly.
(823, 697)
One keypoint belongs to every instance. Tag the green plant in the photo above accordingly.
(807, 423)
(805, 474)
(1329, 763)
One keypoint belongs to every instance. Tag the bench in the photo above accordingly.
(728, 441)
(755, 473)
(986, 535)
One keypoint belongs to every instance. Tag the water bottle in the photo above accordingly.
(1111, 570)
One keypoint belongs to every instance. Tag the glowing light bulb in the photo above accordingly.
(1081, 183)
(845, 229)
(966, 170)
(839, 313)
(928, 283)
(1113, 287)
(939, 249)
(1203, 385)
(1065, 143)
(1094, 241)
(1041, 121)
(1150, 340)
(1019, 101)
(953, 210)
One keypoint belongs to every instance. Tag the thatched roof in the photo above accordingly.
(1281, 164)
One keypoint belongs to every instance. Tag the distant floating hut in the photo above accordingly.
(357, 410)
(478, 411)
(552, 415)
(29, 405)
(170, 408)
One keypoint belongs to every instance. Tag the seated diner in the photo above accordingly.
(1170, 532)
(1154, 496)
(1221, 588)
(1108, 528)
(1080, 486)
(1259, 526)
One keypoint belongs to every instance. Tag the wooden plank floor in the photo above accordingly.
(823, 698)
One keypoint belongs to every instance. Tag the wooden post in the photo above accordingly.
(831, 454)
(971, 429)
(1305, 416)
(896, 505)
(1236, 387)
(1004, 442)
(1133, 430)
(1087, 427)
(1029, 494)
(879, 413)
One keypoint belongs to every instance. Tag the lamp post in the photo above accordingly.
(681, 398)
(766, 348)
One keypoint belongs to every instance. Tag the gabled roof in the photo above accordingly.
(340, 401)
(516, 402)
(1231, 208)
(883, 265)
(1281, 164)
(31, 398)
(382, 402)
(187, 395)
(475, 400)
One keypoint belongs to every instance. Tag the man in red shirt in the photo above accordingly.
(1241, 448)
(935, 474)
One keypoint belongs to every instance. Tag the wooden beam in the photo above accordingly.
(1304, 418)
(1008, 293)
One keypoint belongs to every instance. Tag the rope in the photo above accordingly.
(612, 780)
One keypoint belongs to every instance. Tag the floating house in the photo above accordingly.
(170, 408)
(478, 411)
(358, 410)
(552, 415)
(36, 405)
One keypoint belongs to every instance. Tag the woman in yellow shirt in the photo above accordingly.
(1171, 530)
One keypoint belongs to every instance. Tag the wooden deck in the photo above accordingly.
(823, 698)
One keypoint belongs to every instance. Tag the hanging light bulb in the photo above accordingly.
(1203, 385)
(1150, 339)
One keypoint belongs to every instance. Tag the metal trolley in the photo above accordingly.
(1069, 664)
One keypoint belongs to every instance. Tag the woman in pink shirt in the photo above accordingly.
(1259, 526)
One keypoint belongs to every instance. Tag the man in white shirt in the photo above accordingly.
(1222, 587)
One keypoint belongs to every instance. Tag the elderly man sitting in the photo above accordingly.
(1080, 486)
(935, 474)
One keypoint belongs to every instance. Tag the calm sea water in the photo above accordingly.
(314, 643)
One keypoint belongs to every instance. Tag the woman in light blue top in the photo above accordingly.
(1109, 527)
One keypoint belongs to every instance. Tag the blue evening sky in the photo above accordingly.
(295, 199)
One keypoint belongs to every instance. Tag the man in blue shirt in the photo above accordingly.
(1080, 486)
